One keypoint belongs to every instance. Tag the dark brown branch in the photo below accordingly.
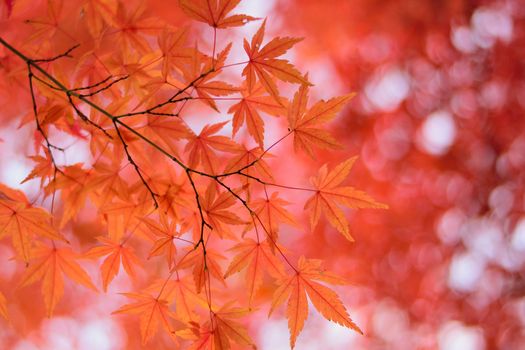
(77, 110)
(85, 118)
(152, 109)
(137, 170)
(49, 145)
(197, 199)
(92, 85)
(172, 99)
(65, 54)
(103, 88)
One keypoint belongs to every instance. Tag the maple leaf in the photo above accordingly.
(201, 147)
(219, 214)
(264, 66)
(174, 195)
(98, 13)
(43, 169)
(107, 182)
(50, 266)
(74, 186)
(21, 221)
(302, 283)
(174, 53)
(219, 334)
(115, 253)
(305, 124)
(201, 267)
(271, 213)
(163, 233)
(122, 215)
(214, 12)
(166, 131)
(247, 111)
(181, 290)
(258, 258)
(132, 23)
(328, 196)
(200, 73)
(3, 307)
(253, 165)
(151, 311)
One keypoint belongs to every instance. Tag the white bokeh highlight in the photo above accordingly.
(437, 133)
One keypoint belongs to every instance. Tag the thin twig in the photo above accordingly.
(103, 88)
(92, 85)
(65, 54)
(137, 170)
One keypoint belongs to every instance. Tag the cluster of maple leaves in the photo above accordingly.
(203, 205)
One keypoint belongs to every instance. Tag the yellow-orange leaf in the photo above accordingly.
(264, 66)
(163, 233)
(247, 111)
(22, 222)
(50, 265)
(152, 311)
(307, 124)
(43, 169)
(115, 253)
(219, 211)
(302, 283)
(252, 163)
(215, 12)
(329, 196)
(223, 330)
(201, 272)
(166, 131)
(258, 258)
(181, 290)
(272, 213)
(202, 148)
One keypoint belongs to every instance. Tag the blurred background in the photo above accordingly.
(439, 125)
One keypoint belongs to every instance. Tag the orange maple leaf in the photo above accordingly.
(97, 14)
(201, 148)
(305, 124)
(247, 111)
(259, 167)
(328, 196)
(167, 131)
(116, 253)
(75, 188)
(122, 216)
(219, 333)
(163, 233)
(200, 73)
(21, 221)
(152, 311)
(43, 169)
(214, 12)
(258, 258)
(272, 212)
(50, 266)
(106, 182)
(219, 212)
(174, 53)
(202, 269)
(326, 301)
(132, 23)
(181, 290)
(264, 66)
